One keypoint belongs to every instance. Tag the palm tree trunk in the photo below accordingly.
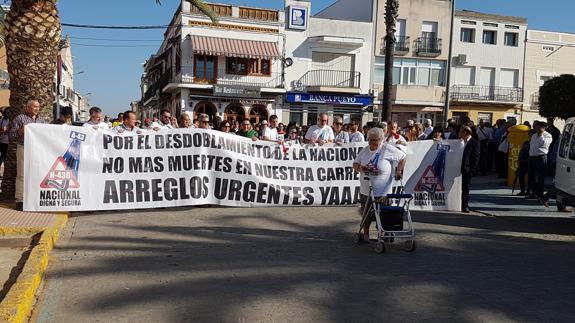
(391, 13)
(33, 33)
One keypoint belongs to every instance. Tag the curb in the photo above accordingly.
(17, 305)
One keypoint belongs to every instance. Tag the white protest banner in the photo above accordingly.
(79, 169)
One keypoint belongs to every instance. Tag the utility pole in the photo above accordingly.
(446, 103)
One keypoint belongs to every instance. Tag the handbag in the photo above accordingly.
(504, 146)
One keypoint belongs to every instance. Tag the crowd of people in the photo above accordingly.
(486, 145)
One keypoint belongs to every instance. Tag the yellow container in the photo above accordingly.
(516, 137)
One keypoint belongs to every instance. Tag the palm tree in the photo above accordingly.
(391, 13)
(32, 32)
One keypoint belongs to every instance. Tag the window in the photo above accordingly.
(511, 39)
(564, 146)
(511, 27)
(248, 66)
(467, 35)
(489, 37)
(489, 24)
(205, 68)
(409, 71)
(548, 48)
(468, 22)
(483, 117)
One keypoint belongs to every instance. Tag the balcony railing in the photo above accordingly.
(401, 45)
(425, 46)
(330, 78)
(187, 76)
(486, 93)
(164, 79)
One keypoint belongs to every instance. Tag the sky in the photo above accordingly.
(111, 60)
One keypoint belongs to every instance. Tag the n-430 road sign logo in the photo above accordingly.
(432, 179)
(63, 174)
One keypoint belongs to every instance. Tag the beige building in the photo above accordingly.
(421, 52)
(547, 54)
(487, 66)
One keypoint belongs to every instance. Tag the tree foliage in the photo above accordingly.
(202, 6)
(557, 97)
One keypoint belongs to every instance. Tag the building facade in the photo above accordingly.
(232, 69)
(256, 62)
(420, 59)
(64, 79)
(330, 62)
(547, 54)
(487, 66)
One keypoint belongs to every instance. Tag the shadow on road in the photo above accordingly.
(300, 266)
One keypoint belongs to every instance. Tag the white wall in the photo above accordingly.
(480, 55)
(300, 48)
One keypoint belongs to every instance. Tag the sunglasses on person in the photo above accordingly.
(204, 121)
(338, 123)
(226, 126)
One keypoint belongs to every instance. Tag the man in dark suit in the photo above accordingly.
(469, 164)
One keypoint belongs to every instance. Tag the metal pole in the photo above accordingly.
(446, 104)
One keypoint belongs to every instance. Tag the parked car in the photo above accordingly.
(565, 171)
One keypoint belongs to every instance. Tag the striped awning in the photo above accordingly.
(234, 47)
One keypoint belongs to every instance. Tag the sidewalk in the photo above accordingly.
(43, 230)
(490, 196)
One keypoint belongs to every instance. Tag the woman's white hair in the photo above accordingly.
(375, 133)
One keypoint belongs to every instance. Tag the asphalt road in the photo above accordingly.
(300, 265)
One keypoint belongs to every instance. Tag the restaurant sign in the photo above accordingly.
(237, 91)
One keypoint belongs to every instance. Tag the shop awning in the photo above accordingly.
(234, 47)
(432, 109)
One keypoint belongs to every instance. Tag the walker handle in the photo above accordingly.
(399, 196)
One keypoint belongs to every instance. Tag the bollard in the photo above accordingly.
(516, 137)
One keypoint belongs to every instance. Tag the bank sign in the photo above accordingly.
(358, 100)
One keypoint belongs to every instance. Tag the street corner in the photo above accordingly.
(26, 240)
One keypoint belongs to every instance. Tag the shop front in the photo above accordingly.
(304, 108)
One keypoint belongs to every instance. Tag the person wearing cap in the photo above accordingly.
(538, 149)
(66, 114)
(262, 129)
(96, 121)
(204, 121)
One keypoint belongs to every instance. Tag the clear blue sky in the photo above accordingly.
(112, 74)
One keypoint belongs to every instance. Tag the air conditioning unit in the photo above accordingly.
(462, 59)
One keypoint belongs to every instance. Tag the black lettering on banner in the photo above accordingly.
(159, 140)
(118, 142)
(110, 192)
(274, 195)
(142, 190)
(156, 190)
(249, 193)
(299, 154)
(243, 167)
(308, 193)
(126, 191)
(107, 140)
(112, 165)
(171, 189)
(144, 142)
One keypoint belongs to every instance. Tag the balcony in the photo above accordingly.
(417, 94)
(330, 81)
(189, 76)
(486, 93)
(401, 46)
(428, 47)
(158, 85)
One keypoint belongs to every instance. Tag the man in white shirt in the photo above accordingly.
(165, 121)
(128, 126)
(537, 164)
(321, 133)
(354, 134)
(96, 121)
(270, 133)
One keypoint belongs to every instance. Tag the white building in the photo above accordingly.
(331, 69)
(242, 67)
(487, 70)
(67, 95)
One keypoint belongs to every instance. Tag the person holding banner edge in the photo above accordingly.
(375, 163)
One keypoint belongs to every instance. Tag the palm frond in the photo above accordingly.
(202, 7)
(2, 22)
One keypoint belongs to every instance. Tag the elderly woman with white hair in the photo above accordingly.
(376, 165)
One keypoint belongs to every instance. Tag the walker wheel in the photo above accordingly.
(357, 238)
(410, 246)
(379, 247)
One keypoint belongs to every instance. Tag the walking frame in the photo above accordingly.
(391, 213)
